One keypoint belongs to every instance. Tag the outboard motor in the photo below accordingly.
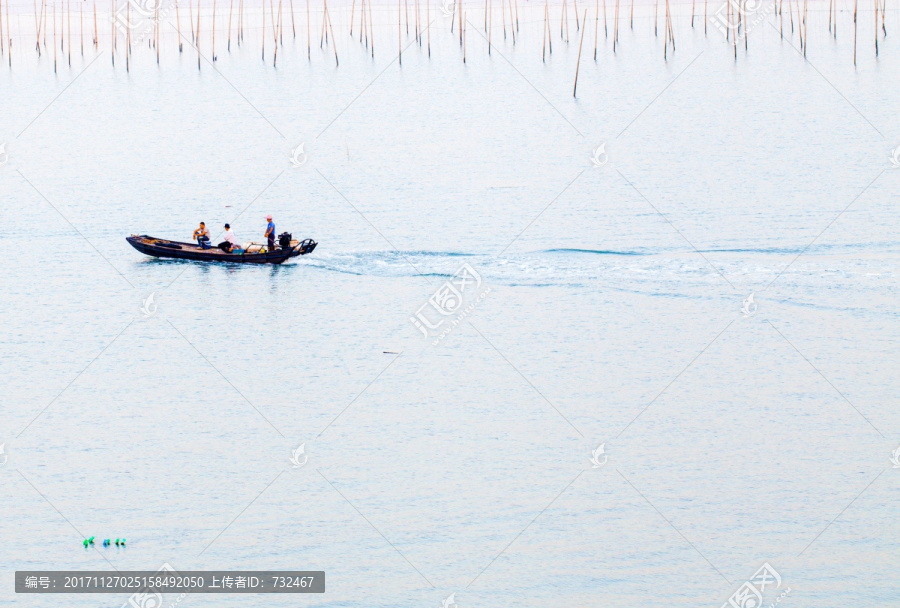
(284, 240)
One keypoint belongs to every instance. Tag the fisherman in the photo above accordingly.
(201, 234)
(230, 241)
(270, 233)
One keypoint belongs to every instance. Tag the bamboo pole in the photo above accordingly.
(263, 36)
(37, 26)
(54, 37)
(544, 43)
(490, 24)
(197, 37)
(2, 48)
(693, 2)
(462, 30)
(275, 44)
(371, 32)
(399, 33)
(666, 38)
(191, 20)
(578, 62)
(744, 22)
(733, 41)
(876, 28)
(274, 21)
(307, 31)
(96, 34)
(575, 5)
(230, 14)
(616, 27)
(352, 13)
(605, 29)
(632, 14)
(705, 19)
(503, 14)
(428, 21)
(855, 3)
(656, 18)
(213, 31)
(81, 26)
(281, 25)
(596, 25)
(805, 27)
(178, 24)
(293, 24)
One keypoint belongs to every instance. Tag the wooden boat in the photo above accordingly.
(255, 253)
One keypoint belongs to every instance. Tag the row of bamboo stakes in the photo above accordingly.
(797, 18)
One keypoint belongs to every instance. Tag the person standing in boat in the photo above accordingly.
(230, 241)
(270, 233)
(201, 235)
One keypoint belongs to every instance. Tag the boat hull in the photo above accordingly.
(162, 248)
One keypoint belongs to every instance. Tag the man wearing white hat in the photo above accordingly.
(270, 233)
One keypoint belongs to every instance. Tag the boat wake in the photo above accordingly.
(594, 268)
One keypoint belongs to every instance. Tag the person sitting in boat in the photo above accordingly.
(230, 241)
(270, 233)
(201, 235)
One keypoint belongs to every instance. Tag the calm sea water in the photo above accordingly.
(162, 401)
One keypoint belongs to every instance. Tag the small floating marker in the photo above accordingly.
(117, 542)
(388, 352)
(91, 540)
(123, 542)
(85, 542)
(106, 542)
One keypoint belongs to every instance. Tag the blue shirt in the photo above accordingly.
(270, 230)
